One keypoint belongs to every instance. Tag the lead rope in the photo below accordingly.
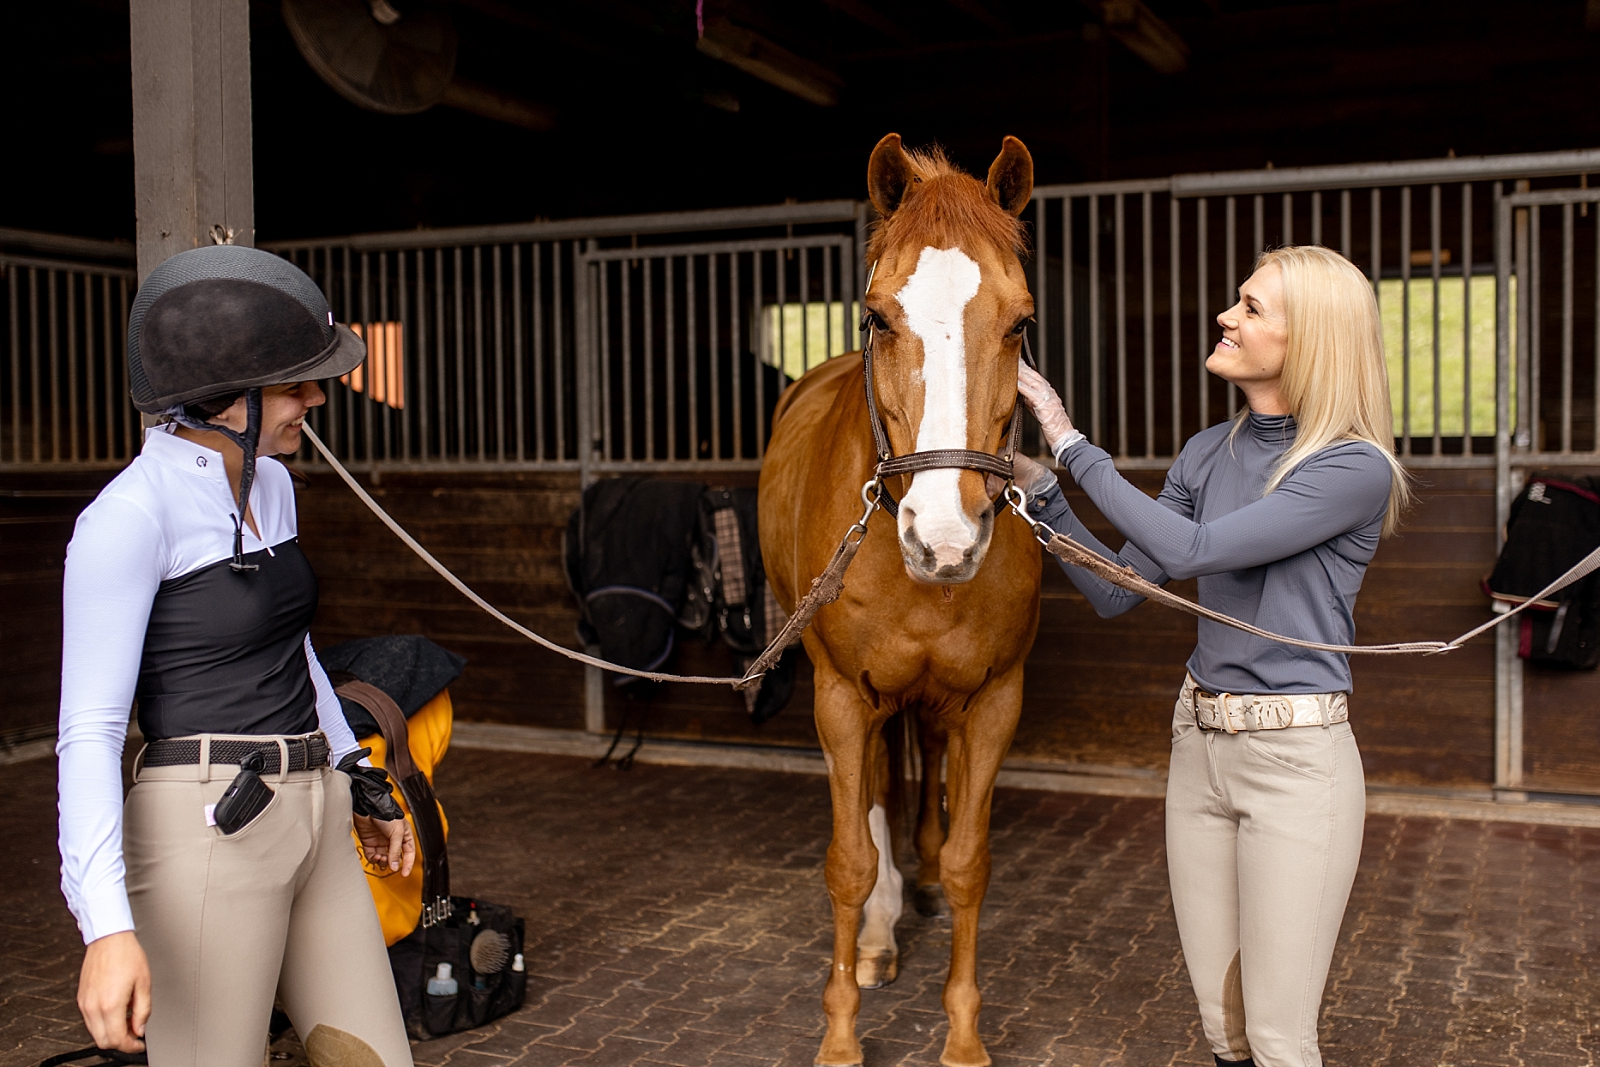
(466, 590)
(826, 588)
(1069, 551)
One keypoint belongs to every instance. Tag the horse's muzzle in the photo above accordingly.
(945, 561)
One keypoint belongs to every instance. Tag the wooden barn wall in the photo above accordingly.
(1099, 691)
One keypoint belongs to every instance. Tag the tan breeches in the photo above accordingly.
(1263, 837)
(281, 907)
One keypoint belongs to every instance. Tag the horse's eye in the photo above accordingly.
(872, 320)
(1020, 328)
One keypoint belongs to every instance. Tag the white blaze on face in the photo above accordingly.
(935, 300)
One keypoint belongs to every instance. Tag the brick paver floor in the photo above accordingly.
(677, 916)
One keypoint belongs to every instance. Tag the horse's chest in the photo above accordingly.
(916, 647)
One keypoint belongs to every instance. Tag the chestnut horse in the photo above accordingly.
(936, 620)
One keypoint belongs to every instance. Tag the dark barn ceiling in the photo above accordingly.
(644, 120)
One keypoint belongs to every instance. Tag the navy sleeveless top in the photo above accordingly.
(224, 651)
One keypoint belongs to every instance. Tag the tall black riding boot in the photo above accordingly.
(1246, 1062)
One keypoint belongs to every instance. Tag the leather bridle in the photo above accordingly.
(889, 465)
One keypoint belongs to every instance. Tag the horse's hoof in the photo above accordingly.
(929, 901)
(964, 1054)
(839, 1053)
(875, 972)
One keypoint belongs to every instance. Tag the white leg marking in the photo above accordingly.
(935, 299)
(883, 907)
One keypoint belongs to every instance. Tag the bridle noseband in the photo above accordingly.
(890, 465)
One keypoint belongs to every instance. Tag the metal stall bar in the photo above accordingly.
(1405, 321)
(1174, 317)
(600, 369)
(364, 408)
(1344, 223)
(53, 346)
(424, 404)
(497, 252)
(1231, 278)
(1508, 665)
(477, 350)
(115, 406)
(1069, 345)
(726, 314)
(715, 379)
(758, 339)
(15, 353)
(649, 359)
(736, 359)
(671, 451)
(1566, 327)
(1466, 318)
(1202, 330)
(1119, 239)
(1096, 351)
(558, 341)
(71, 279)
(1041, 286)
(624, 365)
(1149, 330)
(1439, 365)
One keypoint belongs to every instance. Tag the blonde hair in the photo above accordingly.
(1335, 380)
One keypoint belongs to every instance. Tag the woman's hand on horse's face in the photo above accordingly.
(1029, 475)
(1046, 406)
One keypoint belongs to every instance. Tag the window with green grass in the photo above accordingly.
(1466, 352)
(797, 337)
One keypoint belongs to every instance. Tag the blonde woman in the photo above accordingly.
(1277, 514)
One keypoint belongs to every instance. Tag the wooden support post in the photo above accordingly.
(192, 157)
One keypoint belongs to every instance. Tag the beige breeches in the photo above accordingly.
(1263, 837)
(280, 907)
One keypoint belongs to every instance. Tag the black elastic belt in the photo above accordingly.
(305, 753)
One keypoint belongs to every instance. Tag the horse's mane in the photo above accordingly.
(947, 208)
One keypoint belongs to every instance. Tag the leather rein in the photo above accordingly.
(890, 465)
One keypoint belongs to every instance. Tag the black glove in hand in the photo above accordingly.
(369, 788)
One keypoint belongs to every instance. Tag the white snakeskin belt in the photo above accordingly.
(1247, 713)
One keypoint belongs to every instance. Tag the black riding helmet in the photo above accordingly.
(215, 322)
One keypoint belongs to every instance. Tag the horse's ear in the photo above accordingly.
(1011, 176)
(889, 174)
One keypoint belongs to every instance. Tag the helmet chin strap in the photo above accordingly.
(247, 442)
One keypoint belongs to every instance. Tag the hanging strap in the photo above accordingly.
(418, 791)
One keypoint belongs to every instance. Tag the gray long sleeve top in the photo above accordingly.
(1290, 561)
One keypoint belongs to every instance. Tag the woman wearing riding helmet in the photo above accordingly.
(228, 876)
(1277, 515)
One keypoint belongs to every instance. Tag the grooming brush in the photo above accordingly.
(490, 952)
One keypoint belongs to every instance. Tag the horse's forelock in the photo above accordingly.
(948, 208)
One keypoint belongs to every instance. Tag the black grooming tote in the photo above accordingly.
(451, 927)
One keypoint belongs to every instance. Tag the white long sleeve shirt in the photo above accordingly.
(167, 515)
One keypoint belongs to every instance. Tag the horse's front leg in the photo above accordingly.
(845, 725)
(877, 954)
(977, 747)
(930, 821)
